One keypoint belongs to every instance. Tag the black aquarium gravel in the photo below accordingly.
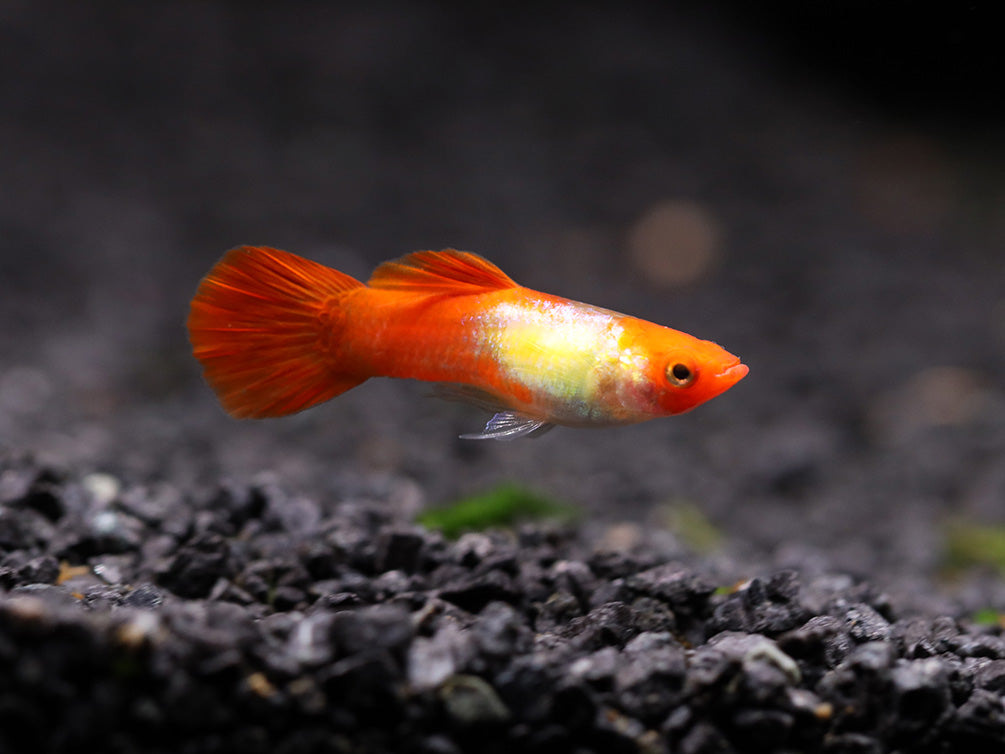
(811, 562)
(239, 619)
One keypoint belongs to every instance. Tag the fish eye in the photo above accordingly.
(680, 374)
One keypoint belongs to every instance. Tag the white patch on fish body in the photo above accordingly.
(565, 352)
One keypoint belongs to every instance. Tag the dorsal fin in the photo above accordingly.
(448, 271)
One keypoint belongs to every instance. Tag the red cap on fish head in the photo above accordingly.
(696, 374)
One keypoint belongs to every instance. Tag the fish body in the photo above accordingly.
(277, 333)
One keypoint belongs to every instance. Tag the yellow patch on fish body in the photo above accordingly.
(567, 354)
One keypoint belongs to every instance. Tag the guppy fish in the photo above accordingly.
(277, 333)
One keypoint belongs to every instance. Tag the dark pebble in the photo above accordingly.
(500, 633)
(922, 696)
(197, 566)
(866, 624)
(381, 627)
(991, 676)
(44, 495)
(768, 608)
(922, 637)
(18, 569)
(473, 593)
(649, 681)
(525, 687)
(557, 611)
(607, 625)
(366, 685)
(979, 721)
(653, 616)
(852, 743)
(704, 738)
(573, 577)
(23, 529)
(470, 701)
(144, 597)
(821, 643)
(399, 550)
(677, 586)
(709, 668)
(980, 645)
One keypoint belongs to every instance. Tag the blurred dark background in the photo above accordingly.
(818, 187)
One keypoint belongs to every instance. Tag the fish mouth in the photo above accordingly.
(734, 372)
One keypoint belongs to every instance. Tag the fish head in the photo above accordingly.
(691, 372)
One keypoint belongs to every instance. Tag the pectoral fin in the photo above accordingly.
(509, 425)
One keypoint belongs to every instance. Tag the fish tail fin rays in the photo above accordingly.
(262, 323)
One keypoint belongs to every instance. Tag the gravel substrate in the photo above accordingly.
(148, 619)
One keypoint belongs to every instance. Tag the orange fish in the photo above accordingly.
(277, 333)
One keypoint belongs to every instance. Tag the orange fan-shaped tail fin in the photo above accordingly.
(262, 323)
